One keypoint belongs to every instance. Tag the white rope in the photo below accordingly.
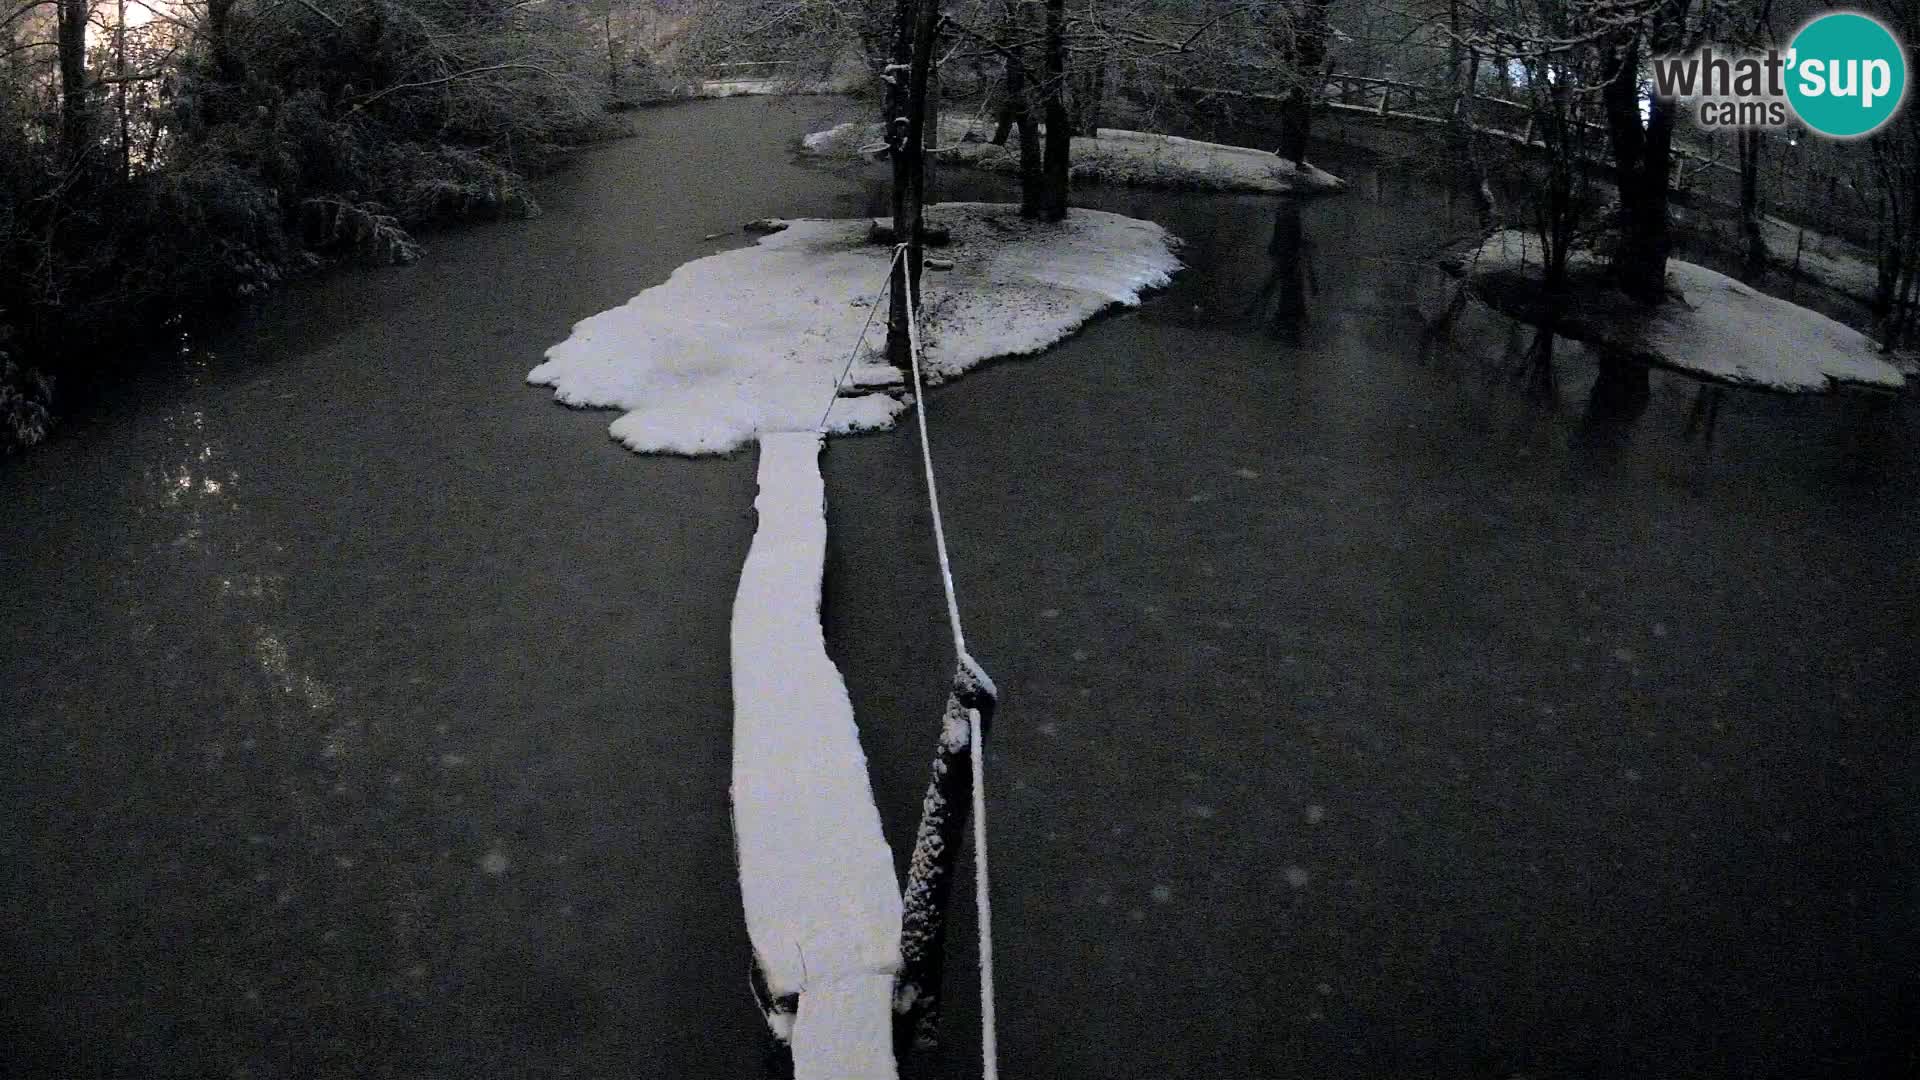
(859, 341)
(989, 1044)
(926, 456)
(983, 908)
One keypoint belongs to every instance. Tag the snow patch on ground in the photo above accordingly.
(752, 340)
(1717, 328)
(1116, 156)
(1843, 267)
(822, 905)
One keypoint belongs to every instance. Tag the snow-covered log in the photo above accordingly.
(816, 877)
(936, 851)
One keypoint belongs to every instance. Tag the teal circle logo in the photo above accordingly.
(1846, 74)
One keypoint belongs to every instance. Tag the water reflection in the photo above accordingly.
(213, 556)
(1290, 277)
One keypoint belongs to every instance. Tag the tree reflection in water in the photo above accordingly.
(1290, 280)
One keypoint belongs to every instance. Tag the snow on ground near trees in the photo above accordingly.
(822, 905)
(725, 88)
(1136, 158)
(752, 340)
(1843, 267)
(1717, 329)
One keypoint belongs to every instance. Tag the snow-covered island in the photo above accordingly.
(754, 339)
(1115, 156)
(1712, 327)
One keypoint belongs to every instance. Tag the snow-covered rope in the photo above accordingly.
(989, 1046)
(926, 458)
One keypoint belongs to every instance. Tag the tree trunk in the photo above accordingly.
(613, 62)
(1020, 109)
(1755, 239)
(1093, 93)
(1013, 87)
(1032, 180)
(907, 137)
(1643, 169)
(1621, 390)
(121, 109)
(1053, 199)
(893, 102)
(227, 64)
(1456, 64)
(75, 110)
(893, 126)
(1306, 53)
(1899, 208)
(1288, 251)
(930, 163)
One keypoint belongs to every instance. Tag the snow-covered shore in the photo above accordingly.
(1715, 328)
(754, 339)
(1135, 158)
(725, 88)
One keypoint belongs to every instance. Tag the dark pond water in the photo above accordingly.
(369, 714)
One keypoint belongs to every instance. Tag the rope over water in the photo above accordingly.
(989, 1051)
(983, 907)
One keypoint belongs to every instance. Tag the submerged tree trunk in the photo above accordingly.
(1621, 390)
(1287, 249)
(1054, 169)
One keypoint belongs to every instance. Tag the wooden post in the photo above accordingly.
(936, 850)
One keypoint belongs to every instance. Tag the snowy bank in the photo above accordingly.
(1133, 158)
(1713, 328)
(822, 905)
(752, 340)
(1845, 268)
(725, 88)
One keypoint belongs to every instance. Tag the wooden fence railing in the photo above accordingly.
(1496, 117)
